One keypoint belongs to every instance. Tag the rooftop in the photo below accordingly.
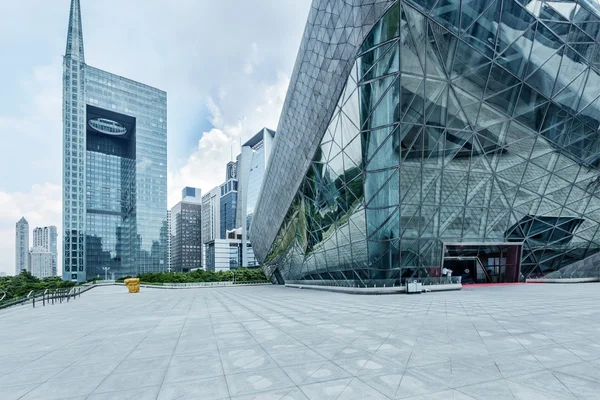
(268, 342)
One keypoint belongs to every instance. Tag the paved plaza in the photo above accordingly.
(267, 342)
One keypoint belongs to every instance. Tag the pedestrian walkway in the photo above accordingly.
(268, 342)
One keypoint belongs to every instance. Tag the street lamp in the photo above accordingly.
(105, 272)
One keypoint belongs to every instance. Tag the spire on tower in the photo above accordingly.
(75, 34)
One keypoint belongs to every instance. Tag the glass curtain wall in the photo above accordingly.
(472, 122)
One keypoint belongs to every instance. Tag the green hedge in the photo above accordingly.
(24, 283)
(241, 275)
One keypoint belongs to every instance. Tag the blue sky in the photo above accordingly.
(224, 64)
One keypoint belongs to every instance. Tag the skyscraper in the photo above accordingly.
(251, 170)
(186, 231)
(22, 246)
(45, 238)
(229, 196)
(211, 219)
(169, 233)
(114, 169)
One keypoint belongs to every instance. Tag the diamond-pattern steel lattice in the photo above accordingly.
(459, 121)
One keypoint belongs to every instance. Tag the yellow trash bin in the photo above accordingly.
(133, 284)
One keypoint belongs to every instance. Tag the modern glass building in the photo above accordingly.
(418, 134)
(186, 232)
(114, 169)
(228, 218)
(251, 172)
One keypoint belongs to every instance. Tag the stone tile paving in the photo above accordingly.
(511, 342)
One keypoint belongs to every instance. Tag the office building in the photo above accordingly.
(423, 134)
(46, 238)
(225, 254)
(114, 169)
(21, 246)
(186, 231)
(251, 171)
(169, 236)
(42, 263)
(211, 219)
(211, 215)
(229, 197)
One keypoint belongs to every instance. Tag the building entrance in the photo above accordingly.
(484, 262)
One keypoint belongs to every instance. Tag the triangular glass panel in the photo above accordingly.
(386, 28)
(368, 60)
(411, 103)
(562, 8)
(413, 36)
(471, 11)
(474, 82)
(382, 223)
(446, 43)
(542, 79)
(577, 35)
(571, 69)
(378, 140)
(434, 63)
(447, 13)
(371, 97)
(514, 56)
(382, 188)
(436, 94)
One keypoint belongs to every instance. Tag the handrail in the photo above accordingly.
(48, 296)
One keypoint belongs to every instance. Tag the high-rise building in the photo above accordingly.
(251, 171)
(186, 231)
(169, 237)
(229, 197)
(422, 134)
(114, 169)
(211, 215)
(225, 254)
(42, 263)
(22, 246)
(211, 219)
(46, 238)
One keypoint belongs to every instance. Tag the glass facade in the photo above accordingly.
(252, 164)
(115, 169)
(464, 126)
(228, 205)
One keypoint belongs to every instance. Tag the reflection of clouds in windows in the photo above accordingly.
(453, 139)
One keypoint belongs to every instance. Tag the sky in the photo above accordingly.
(225, 66)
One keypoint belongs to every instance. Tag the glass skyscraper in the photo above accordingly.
(114, 169)
(229, 201)
(251, 172)
(418, 134)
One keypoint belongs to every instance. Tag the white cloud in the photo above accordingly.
(205, 168)
(41, 206)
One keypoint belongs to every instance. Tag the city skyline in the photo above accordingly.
(211, 115)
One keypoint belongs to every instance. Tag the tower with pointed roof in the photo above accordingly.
(114, 168)
(74, 115)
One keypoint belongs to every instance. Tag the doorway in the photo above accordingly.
(484, 262)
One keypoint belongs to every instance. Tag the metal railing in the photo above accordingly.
(43, 298)
(378, 283)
